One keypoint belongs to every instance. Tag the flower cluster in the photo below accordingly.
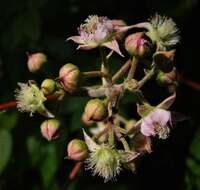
(116, 142)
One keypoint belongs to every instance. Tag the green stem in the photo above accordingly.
(133, 68)
(125, 144)
(146, 78)
(111, 138)
(121, 119)
(121, 70)
(105, 68)
(93, 74)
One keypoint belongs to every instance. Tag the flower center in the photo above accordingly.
(161, 130)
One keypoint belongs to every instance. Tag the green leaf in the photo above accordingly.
(5, 148)
(49, 165)
(192, 176)
(11, 117)
(34, 150)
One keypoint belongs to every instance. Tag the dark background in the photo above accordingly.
(28, 161)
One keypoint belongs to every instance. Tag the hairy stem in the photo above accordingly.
(93, 74)
(146, 78)
(105, 68)
(75, 170)
(121, 70)
(133, 68)
(125, 144)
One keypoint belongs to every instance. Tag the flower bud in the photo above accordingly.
(166, 78)
(164, 60)
(137, 45)
(50, 129)
(95, 110)
(48, 86)
(35, 61)
(77, 150)
(69, 76)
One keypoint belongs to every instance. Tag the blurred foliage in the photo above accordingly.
(27, 161)
(5, 147)
(193, 164)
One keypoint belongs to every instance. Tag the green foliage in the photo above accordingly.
(192, 176)
(45, 158)
(8, 120)
(5, 148)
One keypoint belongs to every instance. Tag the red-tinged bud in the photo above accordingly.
(50, 129)
(77, 150)
(95, 110)
(48, 86)
(137, 45)
(164, 60)
(36, 61)
(165, 79)
(69, 76)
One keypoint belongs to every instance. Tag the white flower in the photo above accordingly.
(163, 31)
(97, 31)
(31, 99)
(156, 123)
(103, 160)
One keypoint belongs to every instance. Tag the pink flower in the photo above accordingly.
(97, 31)
(156, 123)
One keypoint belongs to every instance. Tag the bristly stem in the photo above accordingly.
(121, 70)
(8, 105)
(133, 68)
(125, 144)
(75, 170)
(13, 103)
(146, 78)
(93, 74)
(105, 68)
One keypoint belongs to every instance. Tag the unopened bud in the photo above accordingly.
(95, 110)
(35, 61)
(166, 78)
(77, 150)
(164, 60)
(50, 129)
(69, 76)
(137, 45)
(48, 86)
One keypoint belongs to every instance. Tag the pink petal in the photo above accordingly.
(160, 116)
(167, 102)
(126, 28)
(147, 129)
(113, 45)
(87, 47)
(76, 39)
